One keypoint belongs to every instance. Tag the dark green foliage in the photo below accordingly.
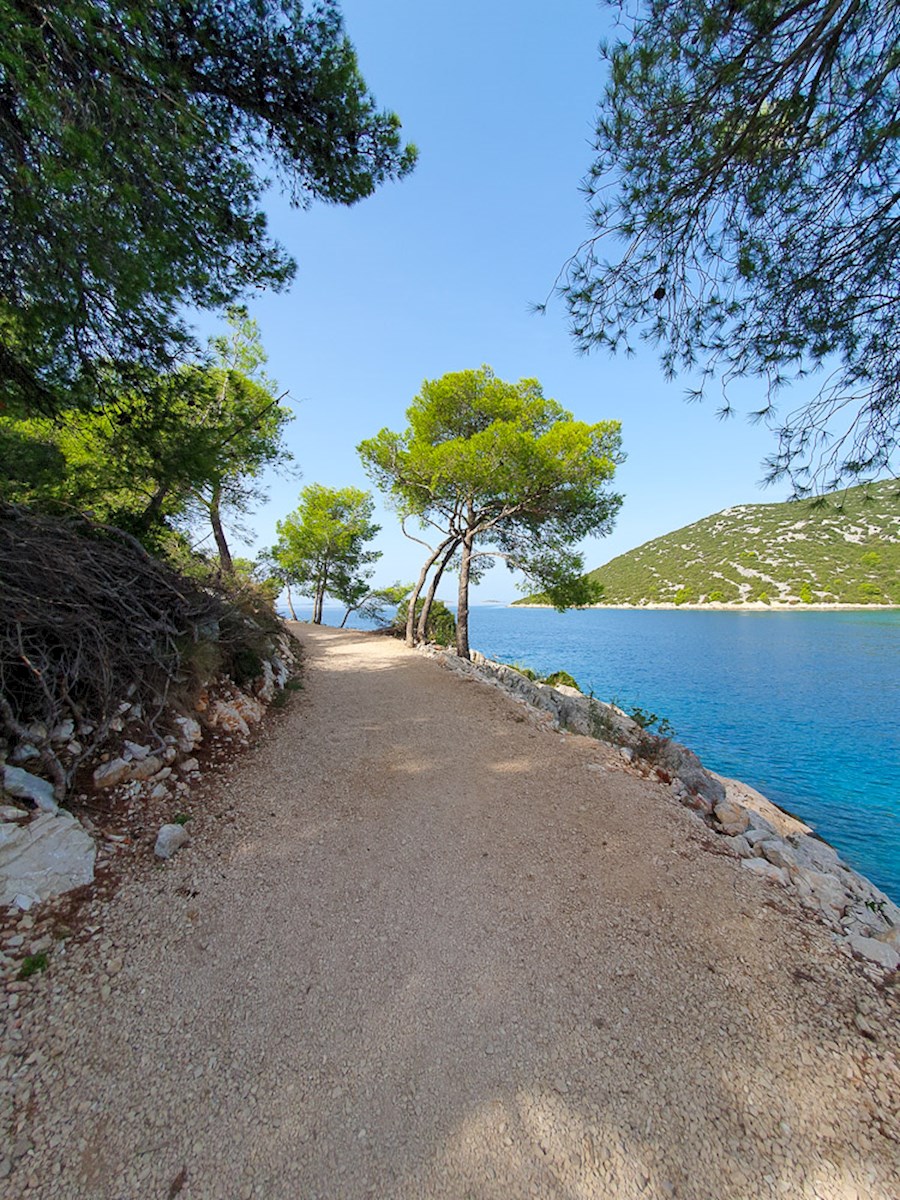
(33, 964)
(135, 140)
(744, 204)
(441, 627)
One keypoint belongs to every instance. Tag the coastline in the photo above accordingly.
(719, 606)
(767, 840)
(520, 969)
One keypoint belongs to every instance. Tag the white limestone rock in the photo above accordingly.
(740, 846)
(265, 686)
(765, 869)
(732, 817)
(699, 803)
(235, 715)
(679, 760)
(118, 770)
(8, 812)
(50, 855)
(190, 733)
(754, 836)
(64, 731)
(170, 839)
(24, 752)
(25, 786)
(875, 951)
(813, 852)
(831, 898)
(777, 852)
(282, 674)
(136, 750)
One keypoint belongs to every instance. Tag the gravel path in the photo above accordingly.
(424, 946)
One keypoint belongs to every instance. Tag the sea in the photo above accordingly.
(803, 706)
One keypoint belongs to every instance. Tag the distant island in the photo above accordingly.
(841, 549)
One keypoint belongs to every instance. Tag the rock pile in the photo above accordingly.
(45, 851)
(767, 842)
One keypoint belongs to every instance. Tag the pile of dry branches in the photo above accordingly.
(88, 619)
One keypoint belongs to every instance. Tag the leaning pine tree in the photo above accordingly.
(500, 471)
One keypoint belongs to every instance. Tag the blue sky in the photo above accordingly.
(437, 273)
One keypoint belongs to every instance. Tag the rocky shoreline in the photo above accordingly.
(762, 838)
(46, 851)
(656, 986)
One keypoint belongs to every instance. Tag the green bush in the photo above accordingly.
(33, 964)
(646, 720)
(871, 593)
(562, 677)
(441, 621)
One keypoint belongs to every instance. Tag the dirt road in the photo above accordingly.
(434, 949)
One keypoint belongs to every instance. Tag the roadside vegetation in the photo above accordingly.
(136, 144)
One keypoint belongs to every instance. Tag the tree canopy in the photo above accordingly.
(498, 470)
(192, 450)
(135, 143)
(321, 546)
(744, 211)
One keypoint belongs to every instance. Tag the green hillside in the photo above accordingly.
(844, 549)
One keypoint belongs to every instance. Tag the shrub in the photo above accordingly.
(562, 677)
(523, 670)
(441, 622)
(33, 964)
(646, 720)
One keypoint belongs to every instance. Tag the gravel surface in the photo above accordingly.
(421, 945)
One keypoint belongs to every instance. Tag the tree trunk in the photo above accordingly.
(462, 607)
(226, 566)
(422, 626)
(346, 615)
(414, 595)
(318, 602)
(290, 602)
(151, 512)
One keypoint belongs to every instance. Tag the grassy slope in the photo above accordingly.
(845, 550)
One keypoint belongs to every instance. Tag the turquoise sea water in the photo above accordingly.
(804, 706)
